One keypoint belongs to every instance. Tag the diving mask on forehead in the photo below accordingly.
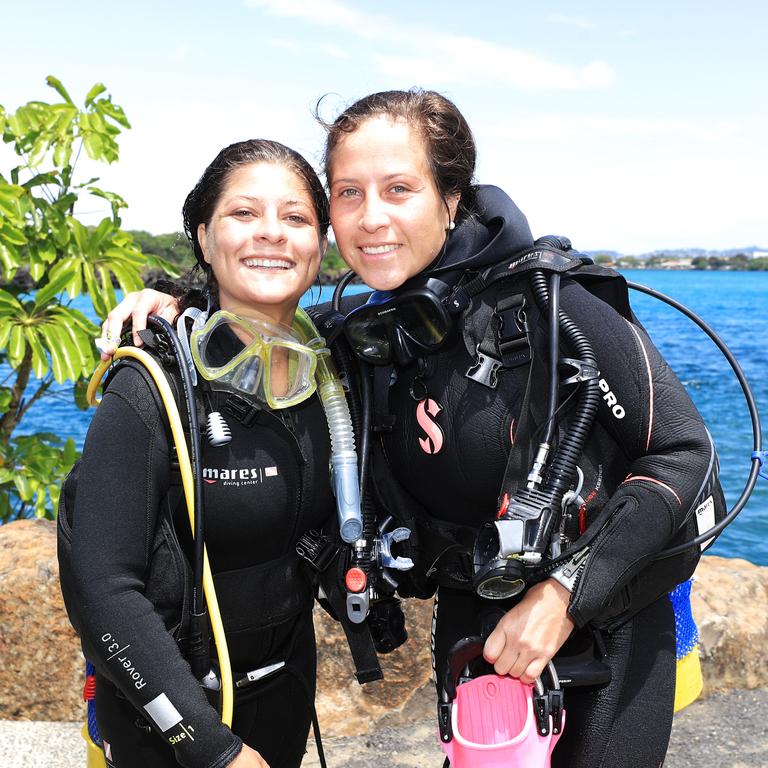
(255, 357)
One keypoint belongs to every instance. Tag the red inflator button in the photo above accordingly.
(355, 580)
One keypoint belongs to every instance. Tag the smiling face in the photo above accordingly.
(263, 241)
(386, 212)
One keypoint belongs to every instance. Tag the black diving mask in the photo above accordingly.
(400, 326)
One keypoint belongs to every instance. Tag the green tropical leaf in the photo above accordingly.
(10, 234)
(65, 356)
(36, 269)
(62, 153)
(39, 358)
(24, 486)
(60, 362)
(9, 304)
(55, 83)
(8, 261)
(40, 179)
(94, 146)
(107, 289)
(17, 346)
(5, 334)
(112, 110)
(81, 401)
(56, 285)
(70, 454)
(158, 262)
(97, 90)
(94, 290)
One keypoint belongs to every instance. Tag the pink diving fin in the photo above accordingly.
(497, 721)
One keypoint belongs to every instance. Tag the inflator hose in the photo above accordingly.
(563, 467)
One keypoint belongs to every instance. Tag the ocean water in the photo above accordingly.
(732, 304)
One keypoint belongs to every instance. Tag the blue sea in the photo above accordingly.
(732, 304)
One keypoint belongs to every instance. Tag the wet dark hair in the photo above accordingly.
(450, 146)
(202, 200)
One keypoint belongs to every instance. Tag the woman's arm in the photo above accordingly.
(123, 481)
(669, 455)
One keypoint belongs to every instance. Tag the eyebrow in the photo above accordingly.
(388, 177)
(286, 201)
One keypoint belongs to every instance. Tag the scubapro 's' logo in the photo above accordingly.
(426, 411)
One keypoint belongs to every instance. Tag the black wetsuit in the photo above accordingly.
(449, 450)
(262, 491)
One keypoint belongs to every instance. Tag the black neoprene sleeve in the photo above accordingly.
(124, 477)
(663, 436)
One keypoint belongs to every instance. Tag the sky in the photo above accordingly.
(630, 127)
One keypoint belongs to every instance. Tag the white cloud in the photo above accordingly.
(570, 128)
(571, 21)
(286, 45)
(334, 51)
(439, 57)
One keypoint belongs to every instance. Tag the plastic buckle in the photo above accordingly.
(246, 413)
(583, 371)
(485, 370)
(316, 549)
(444, 721)
(556, 709)
(541, 712)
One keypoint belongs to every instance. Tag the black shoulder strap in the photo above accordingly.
(367, 667)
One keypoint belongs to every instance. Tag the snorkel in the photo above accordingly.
(343, 456)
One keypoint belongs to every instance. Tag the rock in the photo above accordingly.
(345, 707)
(730, 606)
(39, 651)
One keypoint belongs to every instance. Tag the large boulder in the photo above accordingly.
(39, 651)
(44, 666)
(730, 605)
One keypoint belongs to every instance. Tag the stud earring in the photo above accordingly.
(452, 226)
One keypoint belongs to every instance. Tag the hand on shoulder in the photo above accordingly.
(136, 306)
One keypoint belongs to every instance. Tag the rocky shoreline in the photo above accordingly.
(726, 730)
(371, 725)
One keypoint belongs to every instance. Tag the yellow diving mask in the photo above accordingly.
(256, 357)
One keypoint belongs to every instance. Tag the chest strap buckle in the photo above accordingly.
(485, 370)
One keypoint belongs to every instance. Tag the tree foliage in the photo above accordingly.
(42, 337)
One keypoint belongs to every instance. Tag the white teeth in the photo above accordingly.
(373, 250)
(268, 263)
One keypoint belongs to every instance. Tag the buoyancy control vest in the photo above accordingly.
(443, 550)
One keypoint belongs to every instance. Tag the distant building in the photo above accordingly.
(758, 255)
(676, 264)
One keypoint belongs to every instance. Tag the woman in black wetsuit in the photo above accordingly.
(257, 220)
(399, 169)
(404, 208)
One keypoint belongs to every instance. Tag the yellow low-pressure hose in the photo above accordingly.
(185, 465)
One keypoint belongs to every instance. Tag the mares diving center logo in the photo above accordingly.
(426, 411)
(238, 476)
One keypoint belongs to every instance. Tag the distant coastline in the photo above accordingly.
(174, 247)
